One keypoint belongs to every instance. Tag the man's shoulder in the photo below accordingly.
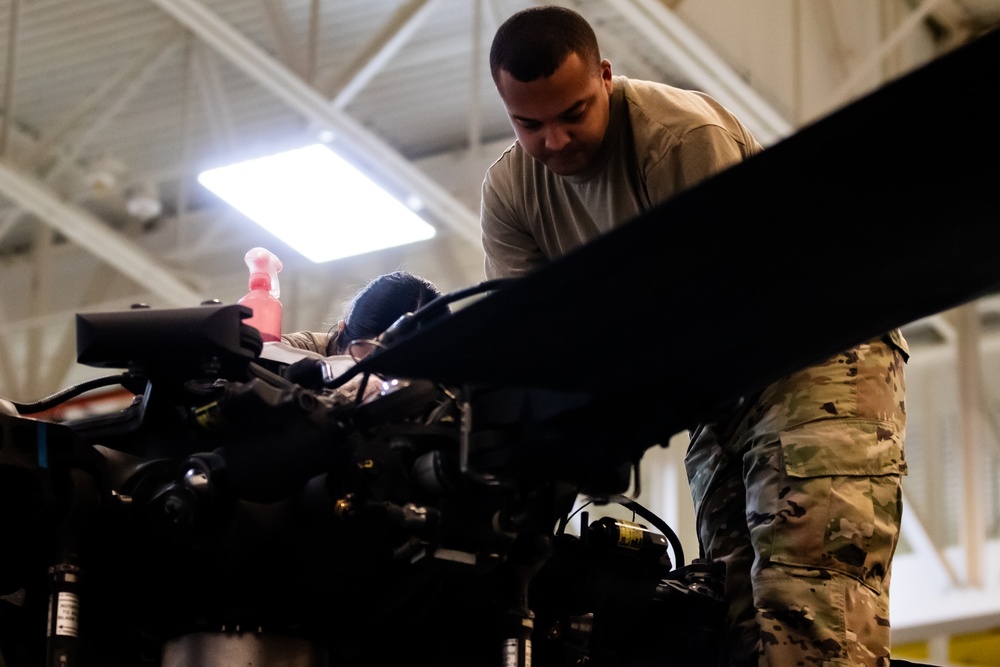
(507, 157)
(669, 105)
(513, 164)
(662, 115)
(640, 89)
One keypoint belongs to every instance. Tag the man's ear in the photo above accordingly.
(606, 73)
(340, 326)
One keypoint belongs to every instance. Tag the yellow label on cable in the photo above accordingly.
(208, 416)
(629, 535)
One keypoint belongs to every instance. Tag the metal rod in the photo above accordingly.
(8, 86)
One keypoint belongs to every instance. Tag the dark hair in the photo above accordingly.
(379, 304)
(532, 43)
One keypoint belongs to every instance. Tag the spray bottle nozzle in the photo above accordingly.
(264, 267)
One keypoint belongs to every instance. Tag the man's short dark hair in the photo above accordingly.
(532, 43)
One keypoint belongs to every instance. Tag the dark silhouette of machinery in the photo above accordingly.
(231, 515)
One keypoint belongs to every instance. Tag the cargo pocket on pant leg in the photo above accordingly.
(836, 498)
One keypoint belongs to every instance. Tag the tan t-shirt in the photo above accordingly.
(660, 141)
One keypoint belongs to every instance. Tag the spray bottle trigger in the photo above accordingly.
(263, 261)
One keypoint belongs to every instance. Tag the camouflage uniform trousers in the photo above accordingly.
(798, 492)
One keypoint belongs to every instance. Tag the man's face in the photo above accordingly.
(560, 120)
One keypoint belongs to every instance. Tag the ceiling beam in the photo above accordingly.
(286, 85)
(213, 98)
(923, 605)
(11, 378)
(382, 48)
(702, 64)
(975, 522)
(10, 69)
(90, 233)
(286, 42)
(139, 69)
(849, 88)
(914, 531)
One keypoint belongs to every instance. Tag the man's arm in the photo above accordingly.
(702, 153)
(511, 251)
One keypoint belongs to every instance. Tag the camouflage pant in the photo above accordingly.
(799, 494)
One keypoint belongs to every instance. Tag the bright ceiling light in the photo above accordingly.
(317, 203)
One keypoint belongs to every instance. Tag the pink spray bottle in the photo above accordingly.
(263, 295)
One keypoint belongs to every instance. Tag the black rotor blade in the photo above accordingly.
(883, 212)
